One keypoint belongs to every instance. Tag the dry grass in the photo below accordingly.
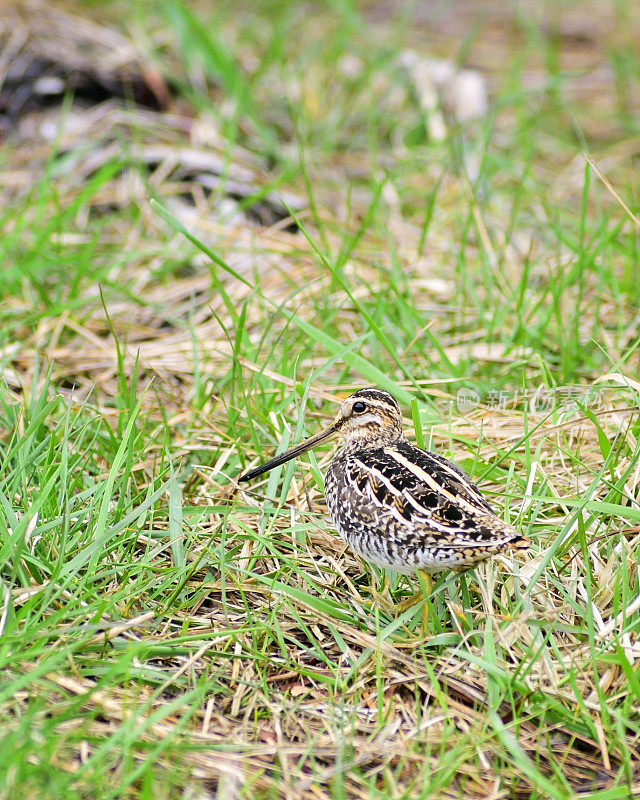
(165, 634)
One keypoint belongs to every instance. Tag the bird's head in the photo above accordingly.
(367, 418)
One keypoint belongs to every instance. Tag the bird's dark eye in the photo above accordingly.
(359, 407)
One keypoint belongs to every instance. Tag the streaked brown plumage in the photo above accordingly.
(398, 506)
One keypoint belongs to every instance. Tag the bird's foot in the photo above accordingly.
(426, 588)
(382, 599)
(409, 602)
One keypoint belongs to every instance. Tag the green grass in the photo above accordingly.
(164, 634)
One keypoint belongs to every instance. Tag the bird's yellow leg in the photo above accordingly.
(381, 598)
(426, 587)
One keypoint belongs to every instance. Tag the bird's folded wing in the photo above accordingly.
(424, 492)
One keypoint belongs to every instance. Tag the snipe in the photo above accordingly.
(398, 506)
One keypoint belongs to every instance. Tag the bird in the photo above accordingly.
(401, 507)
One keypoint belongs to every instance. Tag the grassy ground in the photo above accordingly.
(164, 634)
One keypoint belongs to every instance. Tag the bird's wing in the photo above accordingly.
(424, 492)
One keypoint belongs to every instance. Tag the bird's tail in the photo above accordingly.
(519, 543)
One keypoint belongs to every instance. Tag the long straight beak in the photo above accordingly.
(307, 444)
